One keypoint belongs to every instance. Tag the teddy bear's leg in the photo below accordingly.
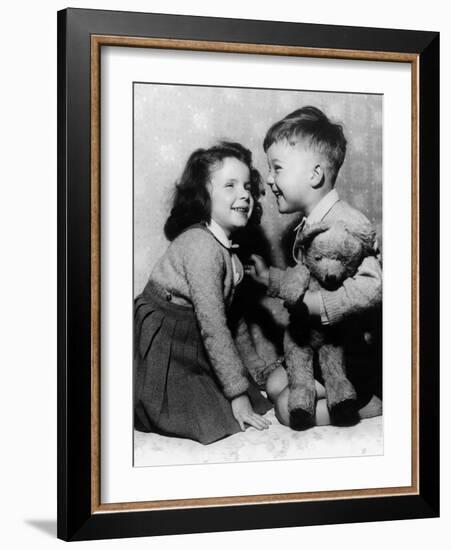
(301, 383)
(340, 393)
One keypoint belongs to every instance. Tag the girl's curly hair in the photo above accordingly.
(192, 202)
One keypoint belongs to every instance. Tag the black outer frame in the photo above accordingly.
(75, 520)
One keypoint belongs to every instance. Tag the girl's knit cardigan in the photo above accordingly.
(197, 270)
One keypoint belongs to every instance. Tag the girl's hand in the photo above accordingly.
(257, 270)
(244, 413)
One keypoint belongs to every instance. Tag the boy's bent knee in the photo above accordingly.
(281, 407)
(276, 383)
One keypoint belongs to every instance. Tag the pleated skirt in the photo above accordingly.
(176, 392)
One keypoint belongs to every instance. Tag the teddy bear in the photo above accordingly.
(332, 252)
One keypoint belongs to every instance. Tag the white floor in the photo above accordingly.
(276, 443)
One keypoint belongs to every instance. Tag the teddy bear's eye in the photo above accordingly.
(318, 257)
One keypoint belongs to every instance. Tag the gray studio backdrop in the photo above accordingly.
(172, 121)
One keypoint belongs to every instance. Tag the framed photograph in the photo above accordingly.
(248, 274)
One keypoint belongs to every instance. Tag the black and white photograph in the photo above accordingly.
(257, 274)
(229, 221)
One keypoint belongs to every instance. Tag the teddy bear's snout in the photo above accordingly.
(331, 281)
(329, 272)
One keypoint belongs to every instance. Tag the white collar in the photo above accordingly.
(320, 209)
(219, 233)
(323, 207)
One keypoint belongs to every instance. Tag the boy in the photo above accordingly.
(305, 151)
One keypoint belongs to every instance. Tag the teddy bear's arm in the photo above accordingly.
(357, 294)
(288, 284)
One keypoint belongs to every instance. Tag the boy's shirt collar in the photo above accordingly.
(317, 215)
(321, 209)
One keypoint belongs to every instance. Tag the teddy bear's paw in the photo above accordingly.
(301, 406)
(301, 419)
(303, 396)
(338, 390)
(345, 413)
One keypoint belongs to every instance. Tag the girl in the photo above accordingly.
(190, 380)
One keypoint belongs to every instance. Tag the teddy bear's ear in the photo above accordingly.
(311, 231)
(366, 235)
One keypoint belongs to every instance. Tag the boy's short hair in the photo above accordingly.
(311, 124)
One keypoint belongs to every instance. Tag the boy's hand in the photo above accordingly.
(244, 413)
(257, 269)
